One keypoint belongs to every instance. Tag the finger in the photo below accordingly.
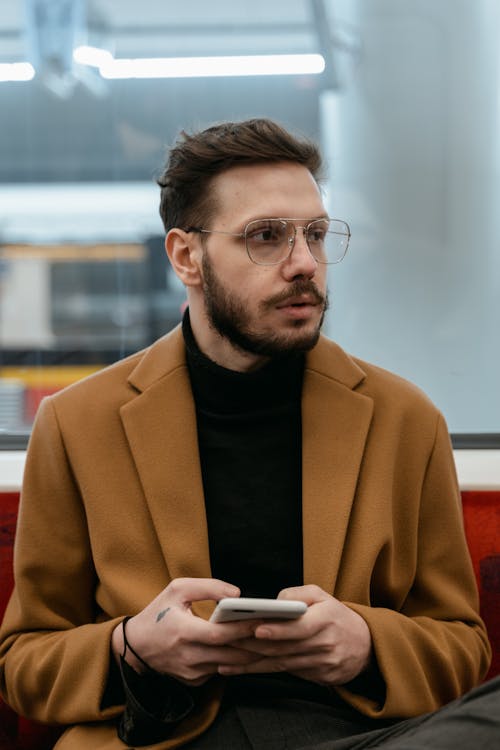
(310, 594)
(205, 657)
(306, 626)
(199, 662)
(319, 615)
(228, 633)
(197, 630)
(184, 591)
(283, 648)
(236, 657)
(275, 664)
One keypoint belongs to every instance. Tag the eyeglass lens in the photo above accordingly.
(270, 241)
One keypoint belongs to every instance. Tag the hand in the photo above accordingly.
(172, 640)
(329, 644)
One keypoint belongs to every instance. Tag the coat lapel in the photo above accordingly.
(160, 425)
(335, 423)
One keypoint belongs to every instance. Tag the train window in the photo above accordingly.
(412, 140)
(407, 117)
(68, 310)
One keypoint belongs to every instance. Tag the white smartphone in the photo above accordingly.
(244, 608)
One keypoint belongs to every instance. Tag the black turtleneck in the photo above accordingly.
(249, 433)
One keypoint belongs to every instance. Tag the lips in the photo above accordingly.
(301, 295)
(300, 301)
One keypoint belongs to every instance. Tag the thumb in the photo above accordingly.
(184, 591)
(310, 594)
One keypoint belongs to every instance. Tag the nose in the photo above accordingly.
(300, 262)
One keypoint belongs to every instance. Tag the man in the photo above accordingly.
(243, 453)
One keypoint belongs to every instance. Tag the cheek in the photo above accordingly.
(252, 284)
(321, 277)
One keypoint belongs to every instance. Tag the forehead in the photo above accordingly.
(255, 191)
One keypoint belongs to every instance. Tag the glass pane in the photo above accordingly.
(413, 147)
(68, 310)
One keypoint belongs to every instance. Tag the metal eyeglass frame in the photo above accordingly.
(291, 239)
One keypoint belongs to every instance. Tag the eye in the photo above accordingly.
(316, 235)
(263, 235)
(271, 232)
(317, 232)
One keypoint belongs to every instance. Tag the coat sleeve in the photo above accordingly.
(54, 642)
(434, 647)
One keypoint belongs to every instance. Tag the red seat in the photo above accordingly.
(482, 526)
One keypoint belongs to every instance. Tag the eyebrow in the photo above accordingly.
(286, 218)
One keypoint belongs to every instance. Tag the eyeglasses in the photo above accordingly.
(271, 241)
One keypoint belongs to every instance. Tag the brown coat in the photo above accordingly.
(112, 509)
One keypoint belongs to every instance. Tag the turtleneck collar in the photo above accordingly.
(220, 390)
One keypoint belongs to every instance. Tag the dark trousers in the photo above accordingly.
(289, 723)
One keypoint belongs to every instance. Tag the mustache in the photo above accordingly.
(303, 286)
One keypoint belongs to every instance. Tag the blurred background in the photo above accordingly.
(403, 96)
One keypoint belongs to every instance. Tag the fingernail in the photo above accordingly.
(263, 632)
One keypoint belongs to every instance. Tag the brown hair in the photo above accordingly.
(196, 159)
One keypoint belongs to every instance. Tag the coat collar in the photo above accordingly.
(168, 353)
(160, 424)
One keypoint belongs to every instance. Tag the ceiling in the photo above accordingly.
(193, 27)
(89, 129)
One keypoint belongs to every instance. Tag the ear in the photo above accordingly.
(184, 252)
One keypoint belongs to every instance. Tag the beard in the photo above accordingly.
(228, 315)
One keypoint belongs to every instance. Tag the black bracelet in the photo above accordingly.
(126, 645)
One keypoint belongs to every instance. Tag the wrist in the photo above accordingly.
(122, 648)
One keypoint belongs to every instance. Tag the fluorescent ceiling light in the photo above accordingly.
(21, 71)
(95, 57)
(206, 67)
